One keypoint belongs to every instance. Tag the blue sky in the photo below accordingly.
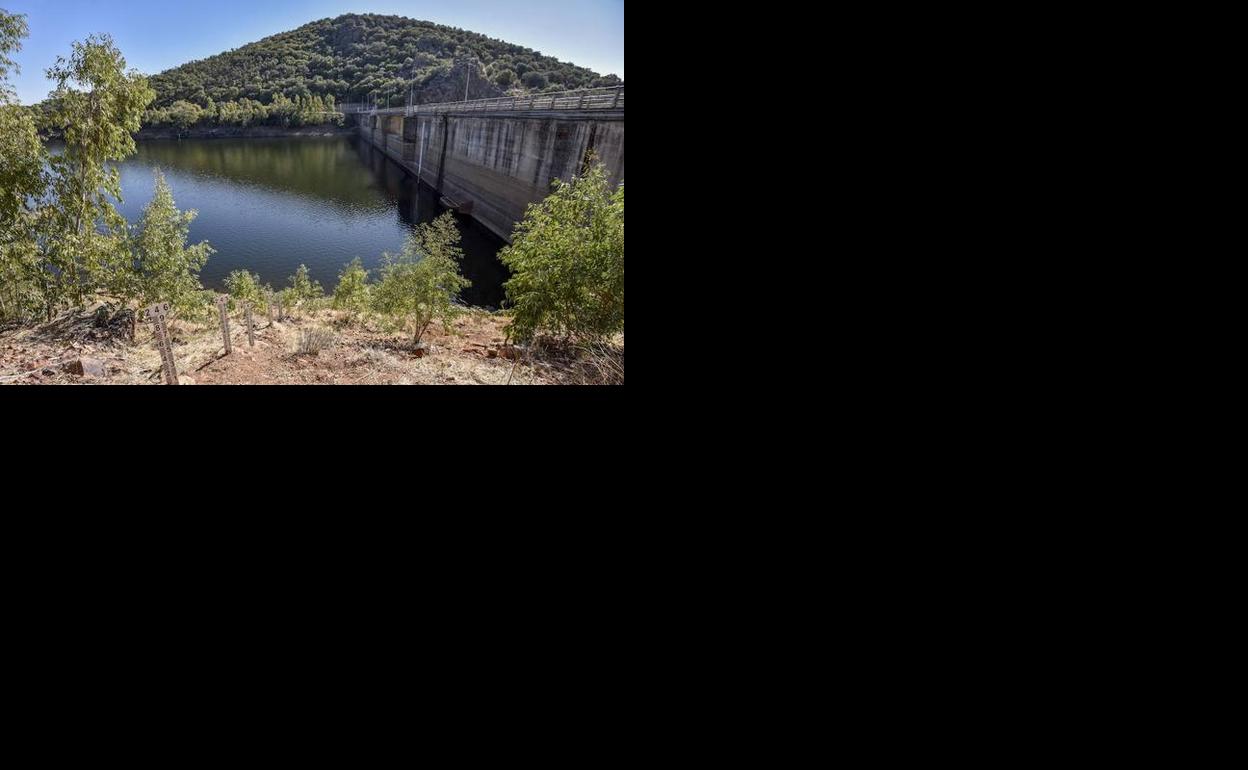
(155, 35)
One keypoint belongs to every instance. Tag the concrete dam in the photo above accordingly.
(491, 159)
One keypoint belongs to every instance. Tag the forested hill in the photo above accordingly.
(353, 56)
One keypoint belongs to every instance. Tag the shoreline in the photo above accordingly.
(239, 132)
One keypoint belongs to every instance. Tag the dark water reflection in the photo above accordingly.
(269, 205)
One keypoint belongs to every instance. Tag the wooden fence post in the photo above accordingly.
(251, 327)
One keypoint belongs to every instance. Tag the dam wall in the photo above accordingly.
(493, 165)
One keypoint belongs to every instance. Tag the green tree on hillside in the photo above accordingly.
(351, 57)
(505, 78)
(185, 114)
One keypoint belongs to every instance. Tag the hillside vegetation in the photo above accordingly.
(352, 57)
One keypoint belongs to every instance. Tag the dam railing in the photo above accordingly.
(610, 98)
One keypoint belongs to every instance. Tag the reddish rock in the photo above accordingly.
(85, 367)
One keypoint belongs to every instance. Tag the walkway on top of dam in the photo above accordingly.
(597, 99)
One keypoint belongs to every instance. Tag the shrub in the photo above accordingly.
(284, 301)
(567, 262)
(505, 78)
(242, 286)
(303, 288)
(164, 268)
(423, 283)
(352, 291)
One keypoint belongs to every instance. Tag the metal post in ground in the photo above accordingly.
(223, 304)
(159, 316)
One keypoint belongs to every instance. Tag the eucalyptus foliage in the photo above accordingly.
(61, 237)
(242, 287)
(97, 106)
(303, 287)
(166, 269)
(352, 292)
(422, 284)
(13, 28)
(22, 182)
(567, 262)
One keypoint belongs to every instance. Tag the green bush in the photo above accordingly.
(303, 291)
(505, 78)
(303, 286)
(165, 268)
(285, 300)
(567, 262)
(352, 293)
(242, 286)
(423, 283)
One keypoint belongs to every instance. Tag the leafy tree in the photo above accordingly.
(303, 286)
(166, 269)
(567, 261)
(286, 300)
(185, 114)
(303, 290)
(352, 292)
(242, 287)
(422, 284)
(13, 28)
(535, 81)
(505, 78)
(83, 238)
(22, 181)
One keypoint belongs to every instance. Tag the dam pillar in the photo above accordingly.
(411, 136)
(446, 134)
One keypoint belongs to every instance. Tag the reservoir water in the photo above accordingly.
(269, 205)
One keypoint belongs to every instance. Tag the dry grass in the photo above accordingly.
(313, 341)
(601, 363)
(349, 353)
